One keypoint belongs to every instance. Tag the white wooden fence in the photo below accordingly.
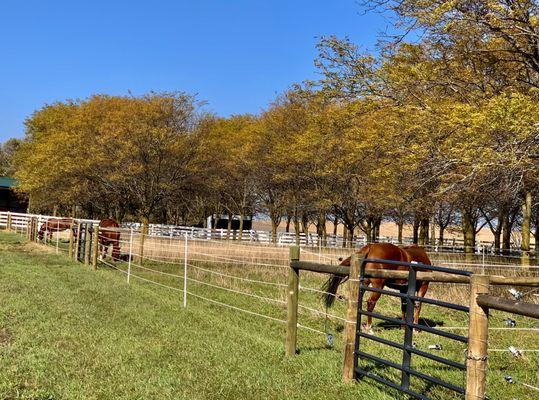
(19, 221)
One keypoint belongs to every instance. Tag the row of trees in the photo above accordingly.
(437, 132)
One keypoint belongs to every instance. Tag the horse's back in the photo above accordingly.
(383, 251)
(107, 231)
(418, 254)
(109, 223)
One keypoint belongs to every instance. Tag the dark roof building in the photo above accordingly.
(9, 200)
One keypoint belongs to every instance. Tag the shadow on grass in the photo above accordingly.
(427, 322)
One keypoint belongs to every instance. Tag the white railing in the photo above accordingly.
(19, 221)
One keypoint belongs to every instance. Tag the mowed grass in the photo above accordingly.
(69, 332)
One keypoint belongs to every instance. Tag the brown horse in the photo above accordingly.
(54, 225)
(384, 251)
(109, 235)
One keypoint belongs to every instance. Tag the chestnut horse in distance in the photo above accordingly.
(52, 225)
(109, 235)
(384, 251)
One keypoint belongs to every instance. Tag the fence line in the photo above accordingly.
(19, 220)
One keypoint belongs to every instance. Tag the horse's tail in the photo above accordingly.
(332, 284)
(330, 289)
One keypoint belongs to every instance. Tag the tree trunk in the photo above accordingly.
(228, 226)
(497, 240)
(297, 229)
(335, 226)
(321, 229)
(506, 235)
(287, 227)
(347, 237)
(423, 232)
(415, 228)
(305, 224)
(432, 235)
(368, 231)
(400, 225)
(468, 230)
(526, 228)
(351, 237)
(526, 222)
(536, 236)
(274, 226)
(441, 235)
(376, 229)
(240, 233)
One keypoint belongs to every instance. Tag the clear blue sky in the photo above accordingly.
(237, 55)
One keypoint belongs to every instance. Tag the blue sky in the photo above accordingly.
(237, 55)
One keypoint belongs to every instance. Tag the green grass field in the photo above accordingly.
(67, 332)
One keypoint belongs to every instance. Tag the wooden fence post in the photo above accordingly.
(95, 248)
(351, 319)
(8, 222)
(28, 228)
(71, 234)
(77, 242)
(476, 360)
(292, 304)
(87, 243)
(34, 229)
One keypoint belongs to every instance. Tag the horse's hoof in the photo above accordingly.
(417, 331)
(367, 329)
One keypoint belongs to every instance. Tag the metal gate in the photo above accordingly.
(83, 235)
(408, 298)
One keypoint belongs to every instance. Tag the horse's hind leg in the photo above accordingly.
(371, 303)
(420, 293)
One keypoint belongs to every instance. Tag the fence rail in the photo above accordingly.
(20, 220)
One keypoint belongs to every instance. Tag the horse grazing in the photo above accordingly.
(108, 235)
(54, 225)
(384, 251)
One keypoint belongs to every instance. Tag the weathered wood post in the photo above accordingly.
(29, 228)
(77, 242)
(71, 237)
(292, 304)
(87, 243)
(95, 248)
(476, 360)
(144, 231)
(8, 223)
(351, 319)
(34, 229)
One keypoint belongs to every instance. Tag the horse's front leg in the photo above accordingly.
(420, 293)
(371, 303)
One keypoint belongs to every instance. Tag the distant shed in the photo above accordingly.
(9, 200)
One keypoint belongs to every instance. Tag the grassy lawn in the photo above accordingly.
(67, 332)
